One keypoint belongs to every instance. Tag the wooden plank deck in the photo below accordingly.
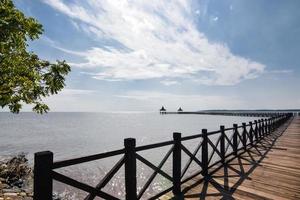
(271, 170)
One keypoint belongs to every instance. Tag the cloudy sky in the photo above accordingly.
(136, 55)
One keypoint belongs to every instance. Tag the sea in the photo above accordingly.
(71, 135)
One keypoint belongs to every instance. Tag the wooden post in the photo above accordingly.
(273, 124)
(262, 127)
(204, 153)
(251, 133)
(269, 126)
(266, 126)
(177, 164)
(222, 143)
(259, 129)
(256, 131)
(235, 138)
(43, 183)
(277, 121)
(130, 169)
(244, 136)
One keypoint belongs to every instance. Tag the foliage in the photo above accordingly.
(24, 77)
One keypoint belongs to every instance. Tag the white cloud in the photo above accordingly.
(74, 100)
(282, 71)
(75, 24)
(159, 40)
(188, 102)
(215, 18)
(87, 100)
(71, 92)
(48, 41)
(169, 82)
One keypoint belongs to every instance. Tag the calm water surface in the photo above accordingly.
(79, 134)
(71, 135)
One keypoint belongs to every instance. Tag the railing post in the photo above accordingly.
(262, 128)
(251, 133)
(269, 126)
(43, 183)
(244, 136)
(256, 131)
(130, 169)
(177, 164)
(266, 126)
(259, 129)
(204, 153)
(222, 143)
(235, 138)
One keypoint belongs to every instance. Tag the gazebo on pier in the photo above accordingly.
(179, 109)
(162, 110)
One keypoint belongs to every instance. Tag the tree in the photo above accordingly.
(24, 77)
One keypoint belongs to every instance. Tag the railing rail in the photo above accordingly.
(242, 137)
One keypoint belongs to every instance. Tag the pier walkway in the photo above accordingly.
(268, 170)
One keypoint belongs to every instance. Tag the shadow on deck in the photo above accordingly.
(254, 173)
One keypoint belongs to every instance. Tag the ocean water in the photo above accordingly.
(70, 135)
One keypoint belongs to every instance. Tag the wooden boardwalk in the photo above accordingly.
(270, 170)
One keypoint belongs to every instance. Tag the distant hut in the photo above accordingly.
(162, 110)
(179, 109)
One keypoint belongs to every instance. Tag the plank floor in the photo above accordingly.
(270, 170)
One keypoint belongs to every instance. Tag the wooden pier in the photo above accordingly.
(268, 170)
(228, 113)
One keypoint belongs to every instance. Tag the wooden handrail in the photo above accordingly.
(242, 138)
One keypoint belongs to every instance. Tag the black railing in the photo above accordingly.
(242, 137)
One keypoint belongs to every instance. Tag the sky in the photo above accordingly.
(137, 55)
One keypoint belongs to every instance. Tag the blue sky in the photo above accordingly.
(129, 55)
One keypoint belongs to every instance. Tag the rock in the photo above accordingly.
(3, 166)
(55, 196)
(14, 171)
(23, 194)
(10, 195)
(4, 186)
(27, 191)
(8, 191)
(16, 179)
